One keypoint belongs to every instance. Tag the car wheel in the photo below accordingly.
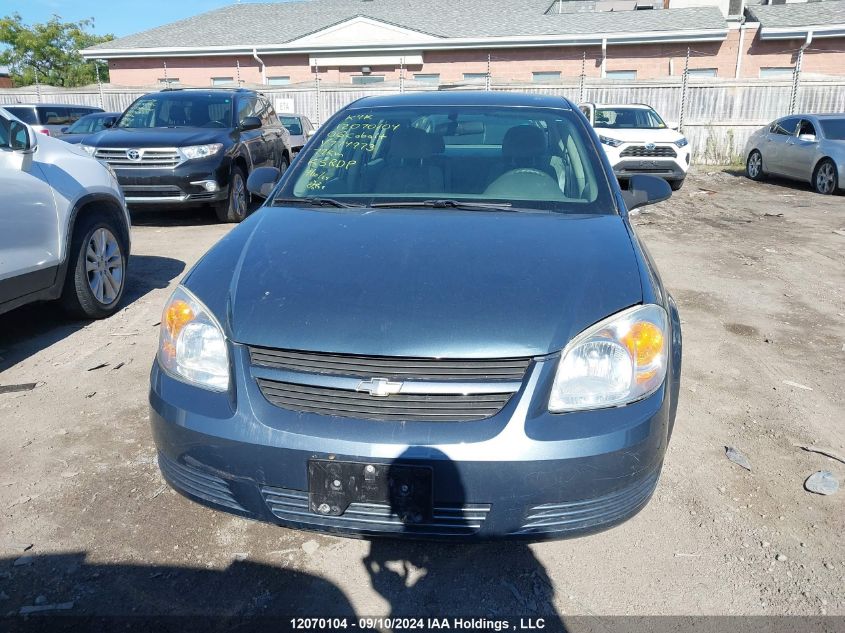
(284, 163)
(676, 184)
(96, 274)
(754, 166)
(235, 208)
(825, 178)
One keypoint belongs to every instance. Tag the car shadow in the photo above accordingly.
(785, 183)
(34, 327)
(68, 592)
(497, 580)
(198, 215)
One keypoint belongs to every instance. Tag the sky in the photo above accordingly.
(119, 17)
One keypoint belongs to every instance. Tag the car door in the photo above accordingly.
(774, 149)
(801, 151)
(252, 140)
(274, 132)
(29, 242)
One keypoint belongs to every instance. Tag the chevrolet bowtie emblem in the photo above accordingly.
(380, 387)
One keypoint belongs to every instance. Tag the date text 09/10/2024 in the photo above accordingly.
(419, 624)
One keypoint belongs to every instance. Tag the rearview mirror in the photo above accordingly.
(643, 190)
(21, 138)
(250, 123)
(262, 180)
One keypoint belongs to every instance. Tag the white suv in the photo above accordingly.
(64, 228)
(637, 141)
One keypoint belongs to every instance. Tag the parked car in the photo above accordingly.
(64, 228)
(300, 128)
(805, 147)
(441, 323)
(89, 124)
(637, 141)
(193, 146)
(50, 118)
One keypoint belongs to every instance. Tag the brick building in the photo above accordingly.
(445, 42)
(5, 78)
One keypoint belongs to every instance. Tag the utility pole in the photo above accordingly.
(401, 74)
(166, 80)
(487, 79)
(796, 73)
(581, 96)
(238, 70)
(684, 92)
(317, 92)
(99, 83)
(37, 86)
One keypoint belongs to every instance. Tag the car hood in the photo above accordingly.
(424, 283)
(640, 135)
(154, 137)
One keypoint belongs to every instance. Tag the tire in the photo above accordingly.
(96, 273)
(284, 163)
(754, 166)
(236, 206)
(825, 177)
(676, 184)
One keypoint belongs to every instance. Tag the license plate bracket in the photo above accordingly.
(333, 485)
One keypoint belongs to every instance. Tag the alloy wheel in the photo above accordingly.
(755, 164)
(104, 266)
(239, 202)
(825, 178)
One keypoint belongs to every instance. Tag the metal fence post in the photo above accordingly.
(317, 93)
(487, 79)
(583, 74)
(99, 83)
(401, 74)
(796, 73)
(682, 114)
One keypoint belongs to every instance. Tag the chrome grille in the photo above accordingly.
(661, 151)
(452, 520)
(391, 367)
(151, 191)
(148, 158)
(354, 404)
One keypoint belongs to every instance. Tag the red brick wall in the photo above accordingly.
(6, 82)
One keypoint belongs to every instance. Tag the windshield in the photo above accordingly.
(27, 115)
(179, 109)
(634, 118)
(834, 129)
(292, 124)
(529, 158)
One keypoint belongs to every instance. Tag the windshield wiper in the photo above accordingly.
(314, 202)
(448, 204)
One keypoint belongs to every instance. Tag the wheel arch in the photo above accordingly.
(94, 203)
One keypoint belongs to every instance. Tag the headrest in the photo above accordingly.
(524, 141)
(411, 143)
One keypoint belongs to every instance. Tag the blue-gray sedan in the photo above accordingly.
(440, 324)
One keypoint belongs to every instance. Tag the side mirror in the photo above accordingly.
(109, 122)
(262, 180)
(673, 125)
(644, 190)
(64, 130)
(21, 138)
(250, 123)
(810, 138)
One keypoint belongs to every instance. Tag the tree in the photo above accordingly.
(51, 49)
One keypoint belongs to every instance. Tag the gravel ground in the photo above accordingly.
(759, 276)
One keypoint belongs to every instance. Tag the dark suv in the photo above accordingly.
(193, 146)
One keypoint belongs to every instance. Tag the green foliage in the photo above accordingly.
(51, 49)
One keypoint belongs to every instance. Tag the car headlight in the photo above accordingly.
(615, 362)
(192, 346)
(88, 148)
(610, 141)
(682, 142)
(200, 151)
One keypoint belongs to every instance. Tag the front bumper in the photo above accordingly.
(632, 159)
(183, 184)
(521, 473)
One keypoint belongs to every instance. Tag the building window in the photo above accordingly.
(432, 78)
(367, 79)
(475, 77)
(170, 81)
(775, 71)
(621, 74)
(546, 77)
(222, 81)
(701, 72)
(278, 81)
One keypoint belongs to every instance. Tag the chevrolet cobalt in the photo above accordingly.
(440, 324)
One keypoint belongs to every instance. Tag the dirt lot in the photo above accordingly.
(759, 276)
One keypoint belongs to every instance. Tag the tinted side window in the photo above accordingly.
(247, 107)
(785, 126)
(27, 115)
(53, 115)
(74, 114)
(806, 127)
(268, 113)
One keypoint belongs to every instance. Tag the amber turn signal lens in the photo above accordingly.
(177, 316)
(645, 343)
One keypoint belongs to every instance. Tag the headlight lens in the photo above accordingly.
(610, 141)
(200, 151)
(89, 148)
(192, 345)
(682, 142)
(617, 361)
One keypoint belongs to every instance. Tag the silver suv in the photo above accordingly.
(64, 228)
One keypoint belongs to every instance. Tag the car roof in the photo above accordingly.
(464, 98)
(826, 115)
(641, 106)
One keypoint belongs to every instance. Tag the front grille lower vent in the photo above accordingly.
(354, 404)
(400, 368)
(660, 151)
